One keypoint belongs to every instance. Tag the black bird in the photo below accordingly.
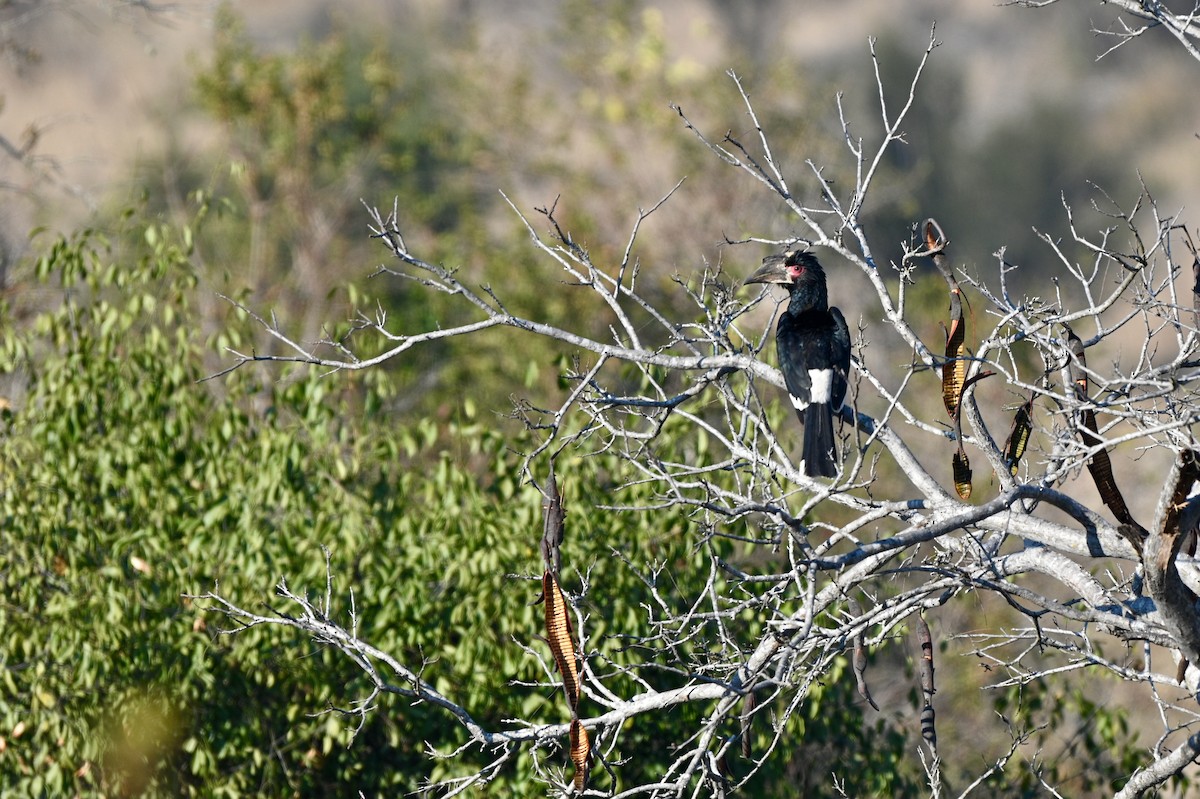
(814, 352)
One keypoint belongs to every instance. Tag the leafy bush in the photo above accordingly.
(126, 484)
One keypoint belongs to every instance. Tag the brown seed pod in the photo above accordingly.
(581, 750)
(561, 637)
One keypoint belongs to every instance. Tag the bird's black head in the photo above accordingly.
(791, 267)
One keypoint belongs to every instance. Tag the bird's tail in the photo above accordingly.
(818, 441)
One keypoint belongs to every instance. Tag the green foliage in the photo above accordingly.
(308, 136)
(1072, 739)
(125, 484)
(310, 133)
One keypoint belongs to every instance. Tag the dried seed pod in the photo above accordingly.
(581, 751)
(954, 371)
(554, 516)
(925, 669)
(959, 463)
(561, 637)
(962, 473)
(1018, 436)
(748, 705)
(1099, 465)
(858, 660)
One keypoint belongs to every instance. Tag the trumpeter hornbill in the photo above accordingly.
(814, 352)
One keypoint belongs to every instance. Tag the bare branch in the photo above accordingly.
(677, 391)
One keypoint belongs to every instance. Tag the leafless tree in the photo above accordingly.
(1075, 576)
(1141, 17)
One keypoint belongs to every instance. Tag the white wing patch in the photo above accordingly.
(821, 380)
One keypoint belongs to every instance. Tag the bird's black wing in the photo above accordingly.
(841, 358)
(792, 343)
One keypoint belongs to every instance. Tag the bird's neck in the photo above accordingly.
(808, 297)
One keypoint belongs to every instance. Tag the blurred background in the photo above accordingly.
(114, 100)
(186, 150)
(295, 113)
